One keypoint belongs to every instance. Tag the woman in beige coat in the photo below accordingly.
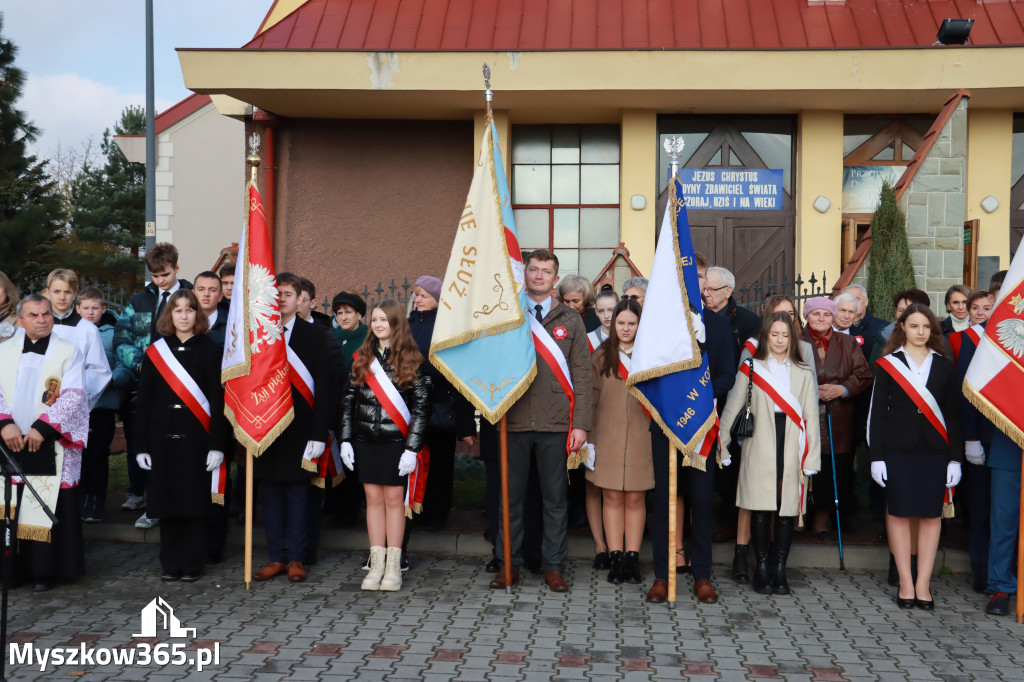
(623, 467)
(776, 464)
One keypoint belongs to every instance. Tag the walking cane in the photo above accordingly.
(835, 485)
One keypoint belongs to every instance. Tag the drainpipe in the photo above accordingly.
(269, 122)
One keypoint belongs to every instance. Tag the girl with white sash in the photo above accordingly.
(623, 468)
(783, 453)
(604, 307)
(778, 303)
(182, 433)
(916, 446)
(384, 418)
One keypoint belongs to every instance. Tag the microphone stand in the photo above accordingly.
(9, 467)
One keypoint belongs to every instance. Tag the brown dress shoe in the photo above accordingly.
(705, 593)
(498, 583)
(270, 569)
(556, 582)
(658, 592)
(296, 573)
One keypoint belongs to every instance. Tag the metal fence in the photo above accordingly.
(754, 296)
(750, 296)
(115, 300)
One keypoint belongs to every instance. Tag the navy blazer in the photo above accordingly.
(896, 422)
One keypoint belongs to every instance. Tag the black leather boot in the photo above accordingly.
(783, 541)
(740, 567)
(759, 522)
(631, 572)
(615, 576)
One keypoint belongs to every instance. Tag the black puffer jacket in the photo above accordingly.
(363, 420)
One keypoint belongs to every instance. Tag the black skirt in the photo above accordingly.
(377, 463)
(916, 482)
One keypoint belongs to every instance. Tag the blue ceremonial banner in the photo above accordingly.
(669, 371)
(740, 189)
(482, 341)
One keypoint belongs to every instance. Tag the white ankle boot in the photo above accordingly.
(373, 578)
(392, 581)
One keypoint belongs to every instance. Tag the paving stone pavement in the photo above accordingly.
(446, 624)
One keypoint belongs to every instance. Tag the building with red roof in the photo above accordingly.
(792, 113)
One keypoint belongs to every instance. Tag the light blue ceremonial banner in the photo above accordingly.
(482, 341)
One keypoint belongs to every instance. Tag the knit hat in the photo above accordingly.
(819, 303)
(431, 285)
(354, 301)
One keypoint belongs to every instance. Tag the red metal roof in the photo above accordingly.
(515, 25)
(177, 112)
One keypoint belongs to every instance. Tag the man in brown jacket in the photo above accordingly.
(539, 426)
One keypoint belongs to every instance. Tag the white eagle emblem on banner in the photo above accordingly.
(264, 321)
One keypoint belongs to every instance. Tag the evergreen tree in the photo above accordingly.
(890, 269)
(108, 208)
(31, 213)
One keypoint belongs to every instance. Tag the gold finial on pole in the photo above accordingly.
(253, 159)
(488, 95)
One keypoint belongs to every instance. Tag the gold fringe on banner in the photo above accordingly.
(246, 441)
(309, 466)
(948, 511)
(992, 413)
(35, 533)
(217, 498)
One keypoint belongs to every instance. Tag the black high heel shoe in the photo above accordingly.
(686, 567)
(905, 603)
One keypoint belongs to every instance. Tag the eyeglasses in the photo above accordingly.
(707, 288)
(634, 297)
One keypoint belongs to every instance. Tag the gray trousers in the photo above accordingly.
(548, 451)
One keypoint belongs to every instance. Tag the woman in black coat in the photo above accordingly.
(451, 415)
(914, 457)
(181, 450)
(368, 435)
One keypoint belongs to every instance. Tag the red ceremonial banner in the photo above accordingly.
(257, 384)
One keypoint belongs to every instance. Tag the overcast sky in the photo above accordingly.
(85, 60)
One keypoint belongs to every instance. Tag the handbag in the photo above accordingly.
(743, 425)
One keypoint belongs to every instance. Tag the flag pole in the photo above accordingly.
(672, 500)
(506, 532)
(1020, 555)
(248, 518)
(254, 161)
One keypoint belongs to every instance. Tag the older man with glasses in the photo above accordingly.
(717, 291)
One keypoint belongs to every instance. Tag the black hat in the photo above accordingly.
(354, 301)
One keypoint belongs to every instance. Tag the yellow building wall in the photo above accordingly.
(819, 172)
(638, 174)
(989, 151)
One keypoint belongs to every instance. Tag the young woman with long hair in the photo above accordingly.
(385, 383)
(623, 468)
(915, 442)
(182, 444)
(784, 451)
(8, 306)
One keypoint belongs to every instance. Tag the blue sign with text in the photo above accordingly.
(725, 189)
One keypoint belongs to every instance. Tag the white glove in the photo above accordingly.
(592, 459)
(144, 460)
(698, 326)
(726, 461)
(975, 452)
(214, 458)
(407, 464)
(314, 449)
(348, 456)
(810, 472)
(953, 474)
(879, 473)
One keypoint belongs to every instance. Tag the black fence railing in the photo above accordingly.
(115, 296)
(397, 292)
(754, 296)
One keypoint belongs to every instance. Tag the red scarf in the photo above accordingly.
(821, 340)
